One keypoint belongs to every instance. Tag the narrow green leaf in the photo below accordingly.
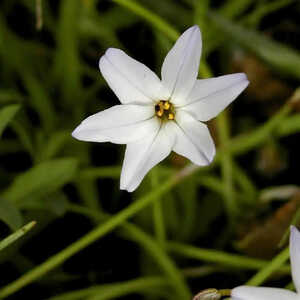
(22, 64)
(276, 263)
(248, 189)
(42, 179)
(16, 235)
(67, 56)
(233, 8)
(100, 172)
(40, 100)
(282, 58)
(8, 96)
(188, 203)
(149, 16)
(220, 257)
(108, 19)
(263, 9)
(10, 215)
(246, 142)
(51, 145)
(140, 286)
(23, 131)
(113, 290)
(114, 172)
(56, 204)
(290, 125)
(200, 14)
(6, 114)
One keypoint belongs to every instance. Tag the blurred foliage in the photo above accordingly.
(185, 227)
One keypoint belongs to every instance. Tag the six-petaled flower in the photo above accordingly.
(159, 116)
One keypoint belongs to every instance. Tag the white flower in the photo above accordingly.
(158, 116)
(265, 293)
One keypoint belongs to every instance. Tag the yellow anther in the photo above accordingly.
(165, 110)
(171, 116)
(160, 113)
(167, 105)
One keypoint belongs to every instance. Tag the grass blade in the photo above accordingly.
(16, 235)
(6, 114)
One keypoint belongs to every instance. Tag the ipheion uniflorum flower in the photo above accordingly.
(157, 116)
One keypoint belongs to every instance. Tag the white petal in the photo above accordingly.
(185, 147)
(295, 256)
(262, 293)
(119, 124)
(180, 67)
(210, 96)
(130, 80)
(193, 140)
(143, 155)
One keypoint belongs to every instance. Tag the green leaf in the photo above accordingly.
(51, 145)
(155, 20)
(56, 203)
(16, 235)
(42, 179)
(24, 131)
(6, 114)
(67, 56)
(234, 8)
(188, 206)
(282, 58)
(40, 100)
(10, 215)
(263, 9)
(116, 290)
(9, 96)
(290, 125)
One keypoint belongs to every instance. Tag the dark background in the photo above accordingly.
(52, 72)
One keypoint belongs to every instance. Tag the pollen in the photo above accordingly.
(171, 116)
(165, 110)
(167, 105)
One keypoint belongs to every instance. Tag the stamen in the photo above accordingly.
(165, 110)
(167, 105)
(160, 113)
(171, 116)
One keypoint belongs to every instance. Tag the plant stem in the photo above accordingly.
(274, 265)
(16, 235)
(226, 167)
(158, 218)
(110, 291)
(150, 17)
(209, 255)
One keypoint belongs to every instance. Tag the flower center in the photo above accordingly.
(165, 110)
